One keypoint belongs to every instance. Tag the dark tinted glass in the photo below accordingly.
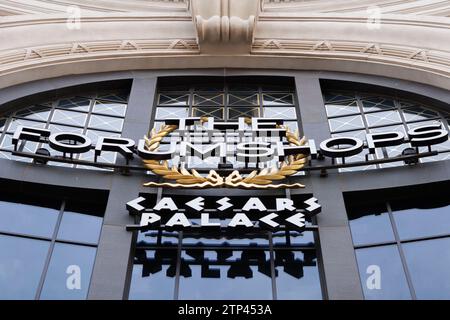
(233, 278)
(21, 265)
(423, 218)
(298, 276)
(80, 227)
(27, 219)
(393, 283)
(153, 275)
(369, 223)
(66, 264)
(429, 265)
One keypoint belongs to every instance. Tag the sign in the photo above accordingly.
(252, 153)
(254, 213)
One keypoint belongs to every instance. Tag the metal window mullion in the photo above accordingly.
(176, 292)
(272, 267)
(366, 124)
(50, 252)
(402, 254)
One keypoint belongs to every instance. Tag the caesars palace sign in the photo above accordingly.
(251, 153)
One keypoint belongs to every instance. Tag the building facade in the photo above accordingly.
(370, 78)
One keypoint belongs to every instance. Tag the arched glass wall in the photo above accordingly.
(94, 115)
(353, 114)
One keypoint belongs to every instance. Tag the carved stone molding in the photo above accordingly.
(225, 25)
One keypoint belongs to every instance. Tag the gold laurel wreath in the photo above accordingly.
(192, 179)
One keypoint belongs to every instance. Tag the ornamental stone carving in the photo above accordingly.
(225, 25)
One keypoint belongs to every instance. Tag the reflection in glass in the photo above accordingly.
(346, 123)
(370, 223)
(75, 103)
(383, 118)
(69, 117)
(39, 113)
(341, 108)
(173, 99)
(226, 275)
(21, 265)
(171, 113)
(68, 262)
(110, 108)
(153, 275)
(106, 123)
(298, 275)
(208, 99)
(237, 112)
(280, 112)
(377, 104)
(384, 262)
(80, 227)
(415, 219)
(278, 99)
(27, 219)
(428, 263)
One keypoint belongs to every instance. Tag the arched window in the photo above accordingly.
(356, 113)
(94, 115)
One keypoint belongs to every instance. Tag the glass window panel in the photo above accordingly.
(80, 227)
(424, 123)
(171, 113)
(278, 99)
(383, 118)
(217, 113)
(106, 123)
(356, 158)
(280, 112)
(253, 238)
(21, 265)
(55, 128)
(377, 104)
(335, 97)
(445, 146)
(370, 223)
(243, 99)
(429, 265)
(238, 278)
(386, 260)
(237, 112)
(3, 122)
(27, 219)
(305, 238)
(29, 147)
(95, 134)
(346, 123)
(115, 97)
(14, 123)
(360, 134)
(415, 219)
(150, 279)
(40, 113)
(75, 103)
(68, 260)
(342, 108)
(110, 108)
(173, 99)
(298, 276)
(419, 114)
(69, 117)
(208, 99)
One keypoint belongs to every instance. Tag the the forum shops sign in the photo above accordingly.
(251, 153)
